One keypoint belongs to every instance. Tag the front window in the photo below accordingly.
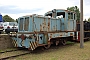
(61, 14)
(26, 24)
(21, 24)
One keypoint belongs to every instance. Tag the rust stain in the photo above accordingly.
(71, 34)
(30, 15)
(19, 36)
(44, 25)
(60, 35)
(29, 48)
(48, 24)
(50, 36)
(49, 42)
(40, 27)
(30, 37)
(23, 37)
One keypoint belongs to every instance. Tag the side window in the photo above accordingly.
(74, 16)
(70, 15)
(50, 14)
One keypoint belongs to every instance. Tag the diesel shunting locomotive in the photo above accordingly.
(56, 26)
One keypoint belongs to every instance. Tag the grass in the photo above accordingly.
(68, 52)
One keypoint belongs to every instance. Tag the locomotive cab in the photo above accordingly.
(67, 17)
(60, 13)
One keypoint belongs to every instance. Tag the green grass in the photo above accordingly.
(68, 52)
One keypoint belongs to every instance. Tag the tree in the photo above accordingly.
(7, 18)
(89, 19)
(75, 9)
(17, 20)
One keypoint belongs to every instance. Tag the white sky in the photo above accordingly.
(17, 8)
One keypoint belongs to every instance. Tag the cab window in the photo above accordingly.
(70, 15)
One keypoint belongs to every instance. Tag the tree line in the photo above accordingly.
(7, 18)
(76, 9)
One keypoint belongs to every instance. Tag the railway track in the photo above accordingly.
(9, 51)
(12, 54)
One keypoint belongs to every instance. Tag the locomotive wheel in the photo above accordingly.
(47, 46)
(64, 42)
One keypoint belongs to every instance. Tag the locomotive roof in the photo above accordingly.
(60, 10)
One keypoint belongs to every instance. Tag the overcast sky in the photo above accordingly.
(17, 8)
